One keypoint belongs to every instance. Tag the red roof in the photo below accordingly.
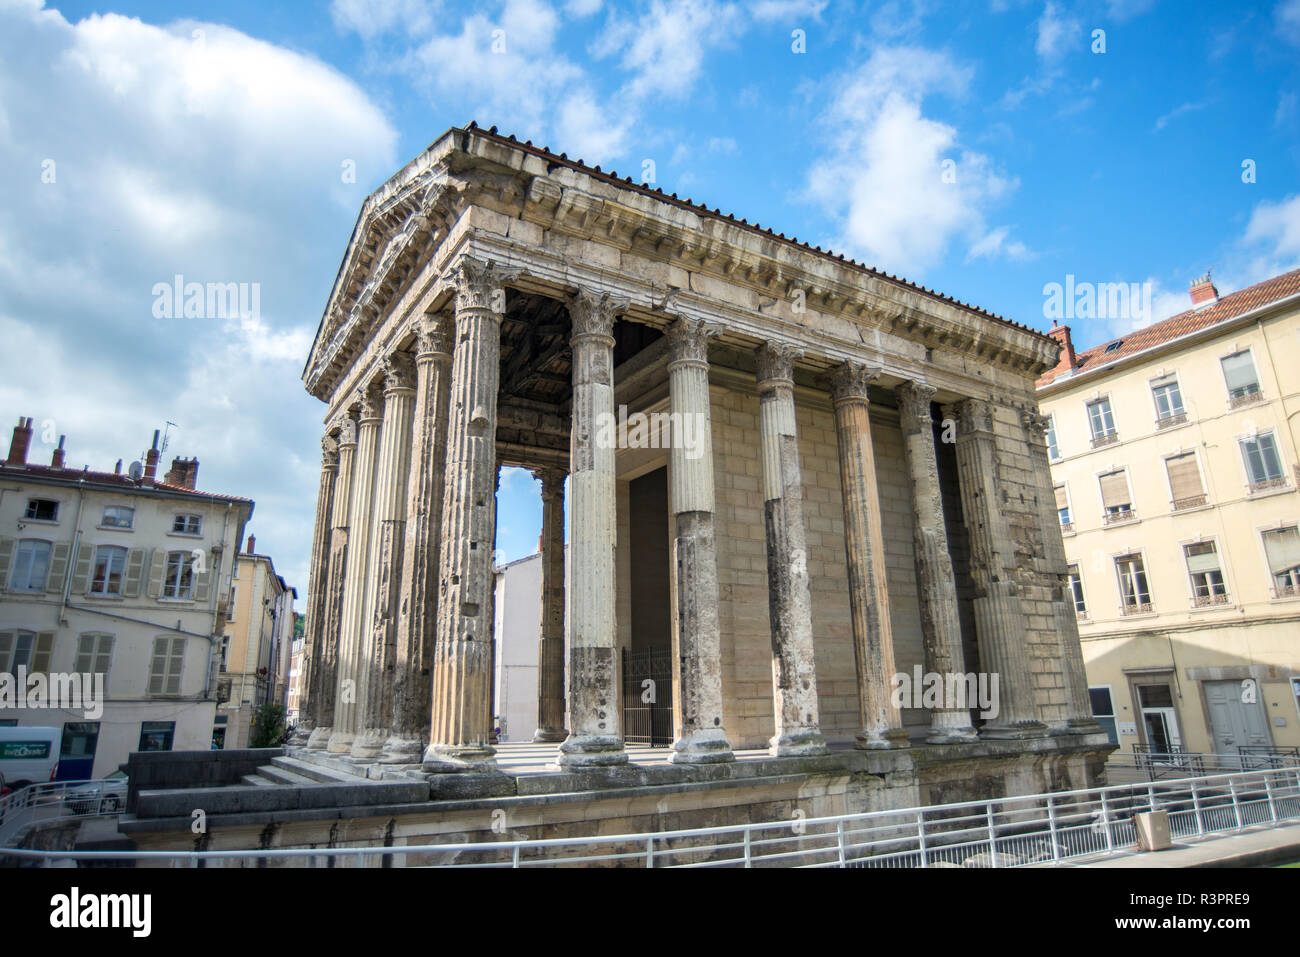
(1193, 320)
(107, 478)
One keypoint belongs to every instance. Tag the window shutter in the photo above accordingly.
(1184, 476)
(42, 652)
(1282, 546)
(103, 656)
(157, 568)
(134, 572)
(1114, 490)
(158, 666)
(85, 654)
(7, 546)
(81, 573)
(6, 652)
(175, 660)
(202, 583)
(1062, 500)
(59, 555)
(1239, 372)
(1205, 562)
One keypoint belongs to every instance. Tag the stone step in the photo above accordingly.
(256, 780)
(319, 774)
(281, 775)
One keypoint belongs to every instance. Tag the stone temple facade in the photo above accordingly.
(865, 491)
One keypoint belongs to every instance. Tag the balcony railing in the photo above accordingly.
(1250, 398)
(1192, 501)
(1136, 608)
(1119, 517)
(1268, 484)
(1286, 591)
(1169, 421)
(1202, 601)
(1105, 438)
(1067, 528)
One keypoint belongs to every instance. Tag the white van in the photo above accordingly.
(29, 755)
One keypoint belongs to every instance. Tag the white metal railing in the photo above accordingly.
(1051, 828)
(44, 804)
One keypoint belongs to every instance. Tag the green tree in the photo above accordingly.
(268, 727)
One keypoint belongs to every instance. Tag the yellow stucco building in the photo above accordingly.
(1174, 456)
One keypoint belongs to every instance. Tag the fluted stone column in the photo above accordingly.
(417, 617)
(462, 681)
(315, 643)
(1078, 717)
(595, 733)
(352, 632)
(794, 672)
(936, 584)
(387, 539)
(333, 587)
(864, 545)
(702, 739)
(550, 644)
(999, 618)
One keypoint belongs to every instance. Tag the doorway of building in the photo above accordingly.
(647, 663)
(77, 753)
(1236, 717)
(1159, 719)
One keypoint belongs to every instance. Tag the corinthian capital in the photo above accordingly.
(329, 452)
(852, 380)
(688, 339)
(399, 372)
(914, 400)
(974, 415)
(347, 431)
(1035, 423)
(776, 361)
(481, 286)
(593, 314)
(434, 335)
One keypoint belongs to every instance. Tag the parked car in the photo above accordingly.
(98, 797)
(29, 755)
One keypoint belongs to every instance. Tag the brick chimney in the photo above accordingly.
(252, 543)
(1062, 335)
(1203, 292)
(151, 462)
(184, 472)
(21, 442)
(56, 460)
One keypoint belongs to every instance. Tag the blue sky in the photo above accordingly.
(206, 139)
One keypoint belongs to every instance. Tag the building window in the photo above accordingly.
(1134, 595)
(1239, 375)
(1185, 481)
(1116, 500)
(157, 735)
(179, 582)
(26, 649)
(1076, 592)
(118, 516)
(42, 510)
(1063, 509)
(225, 652)
(110, 560)
(31, 566)
(188, 524)
(1103, 709)
(1263, 465)
(1169, 402)
(165, 668)
(1053, 452)
(1102, 422)
(1282, 548)
(94, 654)
(1207, 577)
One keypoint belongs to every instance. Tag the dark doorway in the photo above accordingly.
(648, 663)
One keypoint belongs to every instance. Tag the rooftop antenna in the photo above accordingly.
(170, 425)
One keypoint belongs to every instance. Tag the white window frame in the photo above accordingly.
(1114, 715)
(1110, 413)
(58, 508)
(105, 523)
(1191, 580)
(183, 519)
(1053, 445)
(1119, 582)
(1273, 586)
(1069, 506)
(1178, 388)
(172, 591)
(1128, 483)
(121, 575)
(1254, 366)
(13, 571)
(1083, 594)
(1262, 484)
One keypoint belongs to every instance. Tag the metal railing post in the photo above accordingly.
(1105, 823)
(1268, 790)
(1051, 821)
(920, 837)
(1196, 807)
(748, 859)
(993, 835)
(1236, 807)
(839, 836)
(650, 852)
(514, 857)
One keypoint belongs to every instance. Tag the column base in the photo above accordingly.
(1015, 731)
(591, 750)
(1079, 726)
(702, 747)
(400, 750)
(301, 735)
(369, 744)
(340, 742)
(549, 735)
(319, 738)
(444, 759)
(951, 735)
(796, 743)
(881, 740)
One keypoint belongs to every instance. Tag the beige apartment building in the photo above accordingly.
(255, 646)
(1174, 458)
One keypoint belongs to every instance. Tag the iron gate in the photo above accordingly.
(648, 697)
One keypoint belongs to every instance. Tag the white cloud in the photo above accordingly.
(1123, 10)
(884, 177)
(192, 149)
(370, 18)
(1056, 33)
(664, 49)
(1288, 20)
(1178, 111)
(1272, 237)
(996, 244)
(769, 10)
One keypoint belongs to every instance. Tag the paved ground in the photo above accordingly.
(1254, 847)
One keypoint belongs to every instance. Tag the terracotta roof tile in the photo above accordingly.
(1228, 307)
(107, 478)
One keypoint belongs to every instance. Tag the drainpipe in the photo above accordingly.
(72, 556)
